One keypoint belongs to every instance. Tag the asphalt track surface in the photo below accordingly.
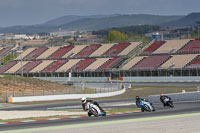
(70, 105)
(180, 108)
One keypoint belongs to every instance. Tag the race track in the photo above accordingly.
(180, 108)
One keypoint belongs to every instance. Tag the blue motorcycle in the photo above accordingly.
(146, 106)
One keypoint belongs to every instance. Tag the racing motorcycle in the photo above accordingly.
(146, 106)
(168, 102)
(95, 110)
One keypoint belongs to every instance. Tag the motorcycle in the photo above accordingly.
(168, 102)
(95, 110)
(146, 106)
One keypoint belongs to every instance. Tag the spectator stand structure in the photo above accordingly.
(166, 58)
(79, 60)
(162, 58)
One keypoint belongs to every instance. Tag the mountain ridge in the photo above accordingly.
(97, 22)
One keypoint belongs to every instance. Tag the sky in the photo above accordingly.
(28, 12)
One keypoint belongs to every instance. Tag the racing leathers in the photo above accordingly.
(162, 99)
(84, 105)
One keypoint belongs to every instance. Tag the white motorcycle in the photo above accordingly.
(94, 109)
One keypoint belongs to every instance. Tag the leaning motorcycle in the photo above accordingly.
(94, 109)
(169, 102)
(146, 106)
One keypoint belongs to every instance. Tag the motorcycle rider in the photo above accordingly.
(138, 103)
(162, 99)
(84, 105)
(138, 100)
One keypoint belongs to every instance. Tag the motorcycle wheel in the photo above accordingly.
(153, 108)
(94, 112)
(147, 108)
(170, 104)
(104, 113)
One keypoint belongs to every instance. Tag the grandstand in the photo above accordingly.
(152, 47)
(171, 46)
(35, 53)
(88, 50)
(152, 62)
(60, 52)
(5, 50)
(164, 58)
(100, 51)
(160, 58)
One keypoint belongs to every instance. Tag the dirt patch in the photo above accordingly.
(6, 115)
(21, 86)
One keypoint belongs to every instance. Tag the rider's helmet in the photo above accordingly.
(137, 98)
(161, 94)
(83, 100)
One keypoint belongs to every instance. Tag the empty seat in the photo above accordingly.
(48, 52)
(132, 63)
(35, 53)
(70, 65)
(54, 66)
(88, 50)
(25, 53)
(152, 62)
(30, 66)
(83, 64)
(60, 52)
(74, 51)
(152, 47)
(192, 47)
(178, 61)
(1, 48)
(5, 50)
(41, 66)
(130, 48)
(18, 66)
(116, 49)
(7, 66)
(195, 63)
(171, 46)
(100, 51)
(95, 65)
(109, 64)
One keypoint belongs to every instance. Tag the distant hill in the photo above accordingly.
(189, 20)
(27, 29)
(97, 22)
(70, 18)
(117, 21)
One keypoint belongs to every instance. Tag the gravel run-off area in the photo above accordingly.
(6, 115)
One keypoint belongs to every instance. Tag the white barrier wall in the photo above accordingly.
(63, 97)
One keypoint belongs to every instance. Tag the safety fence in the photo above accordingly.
(63, 97)
(178, 97)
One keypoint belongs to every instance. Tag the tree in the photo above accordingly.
(116, 36)
(198, 23)
(7, 58)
